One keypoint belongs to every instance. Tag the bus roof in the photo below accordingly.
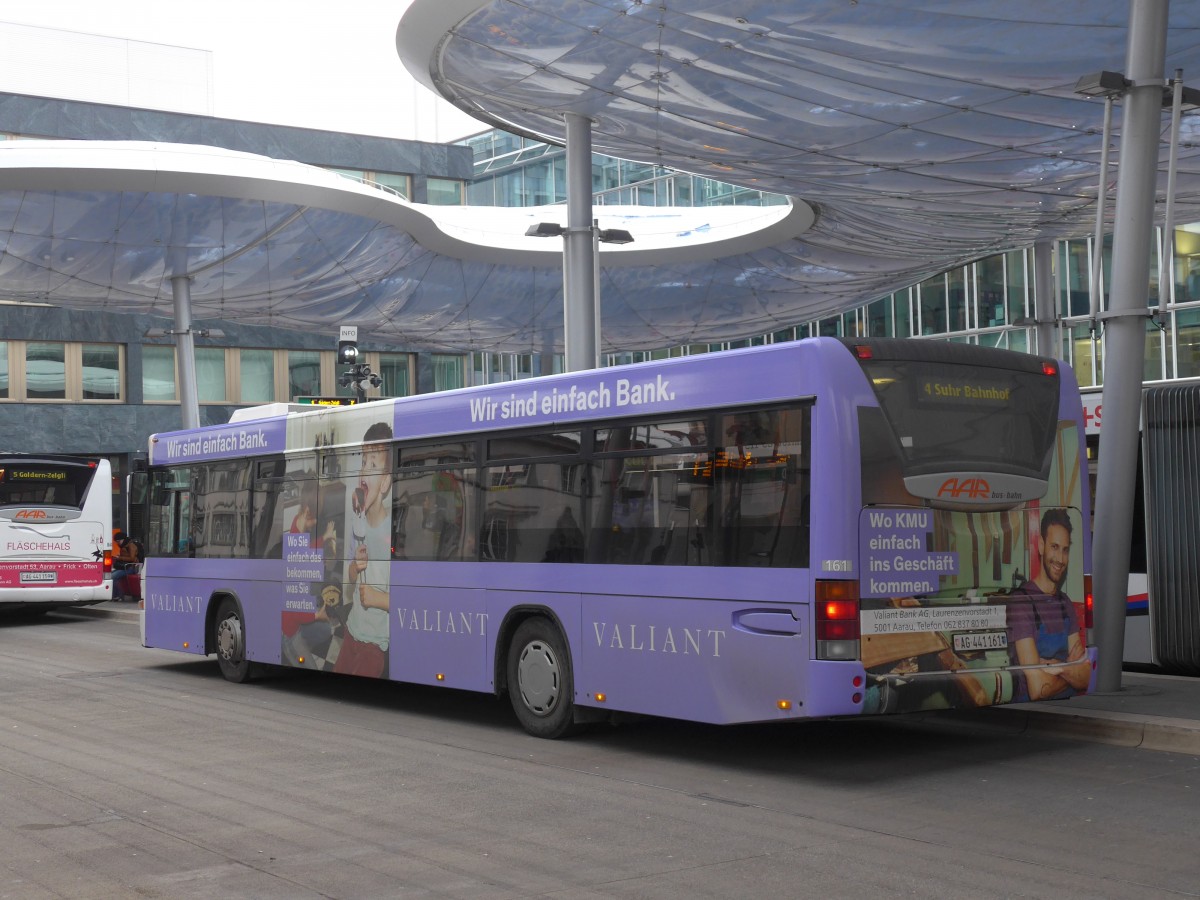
(764, 374)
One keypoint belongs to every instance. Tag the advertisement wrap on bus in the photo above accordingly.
(55, 531)
(815, 529)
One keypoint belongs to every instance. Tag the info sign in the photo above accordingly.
(897, 555)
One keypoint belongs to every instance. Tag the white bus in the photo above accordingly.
(55, 532)
(1162, 612)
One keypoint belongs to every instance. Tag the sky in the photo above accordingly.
(322, 65)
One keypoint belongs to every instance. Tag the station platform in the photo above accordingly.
(1151, 711)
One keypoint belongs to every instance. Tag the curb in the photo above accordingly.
(1143, 732)
(1122, 729)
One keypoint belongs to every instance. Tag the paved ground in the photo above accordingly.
(1155, 712)
(134, 773)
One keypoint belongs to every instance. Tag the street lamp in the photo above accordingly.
(581, 342)
(1102, 84)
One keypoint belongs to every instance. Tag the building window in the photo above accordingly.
(210, 375)
(101, 371)
(45, 371)
(398, 183)
(1187, 327)
(444, 192)
(256, 376)
(304, 373)
(57, 370)
(396, 371)
(353, 174)
(158, 373)
(449, 372)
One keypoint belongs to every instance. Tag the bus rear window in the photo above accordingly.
(944, 415)
(44, 484)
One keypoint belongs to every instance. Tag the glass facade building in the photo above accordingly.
(989, 301)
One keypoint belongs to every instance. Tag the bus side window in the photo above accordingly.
(762, 483)
(533, 488)
(431, 514)
(266, 509)
(434, 500)
(532, 512)
(220, 526)
(644, 513)
(170, 512)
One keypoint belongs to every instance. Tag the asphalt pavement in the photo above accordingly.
(1151, 711)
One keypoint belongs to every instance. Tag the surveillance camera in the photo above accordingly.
(347, 353)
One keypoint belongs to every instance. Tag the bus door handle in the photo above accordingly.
(767, 621)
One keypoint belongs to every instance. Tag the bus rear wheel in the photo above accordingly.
(540, 683)
(231, 643)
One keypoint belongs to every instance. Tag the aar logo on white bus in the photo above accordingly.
(39, 516)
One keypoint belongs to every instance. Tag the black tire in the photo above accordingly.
(229, 639)
(541, 687)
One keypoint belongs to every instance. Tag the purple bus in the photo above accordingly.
(812, 529)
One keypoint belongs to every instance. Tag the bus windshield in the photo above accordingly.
(1001, 419)
(44, 484)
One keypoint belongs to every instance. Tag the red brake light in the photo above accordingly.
(1049, 367)
(837, 610)
(1089, 602)
(861, 351)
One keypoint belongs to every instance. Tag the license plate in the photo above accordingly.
(980, 640)
(39, 578)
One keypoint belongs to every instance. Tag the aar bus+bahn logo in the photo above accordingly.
(39, 516)
(969, 488)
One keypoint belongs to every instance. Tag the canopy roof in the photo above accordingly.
(913, 137)
(925, 133)
(104, 225)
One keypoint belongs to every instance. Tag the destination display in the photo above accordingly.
(38, 475)
(962, 391)
(327, 401)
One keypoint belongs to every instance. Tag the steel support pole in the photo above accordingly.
(1166, 284)
(579, 256)
(1044, 307)
(185, 351)
(1096, 293)
(1125, 330)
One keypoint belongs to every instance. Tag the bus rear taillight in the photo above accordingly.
(1089, 606)
(837, 619)
(107, 561)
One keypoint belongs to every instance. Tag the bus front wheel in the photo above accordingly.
(231, 643)
(540, 684)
